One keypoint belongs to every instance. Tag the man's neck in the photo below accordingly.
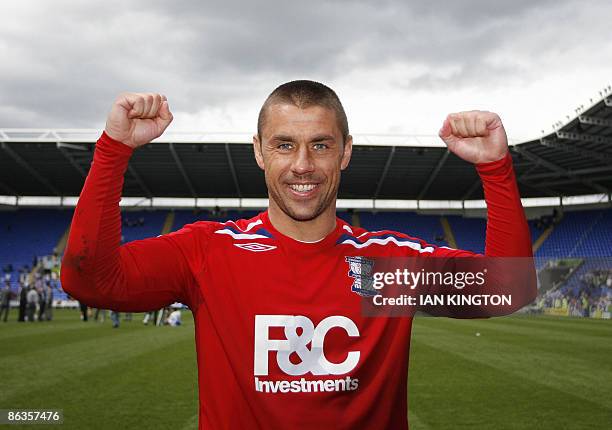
(304, 231)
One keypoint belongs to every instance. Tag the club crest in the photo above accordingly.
(360, 269)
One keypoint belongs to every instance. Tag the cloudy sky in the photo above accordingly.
(399, 66)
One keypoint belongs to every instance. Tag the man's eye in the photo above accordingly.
(284, 146)
(319, 146)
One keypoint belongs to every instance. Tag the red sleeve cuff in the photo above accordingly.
(495, 169)
(110, 144)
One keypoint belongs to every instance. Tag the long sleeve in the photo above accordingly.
(508, 237)
(139, 276)
(507, 230)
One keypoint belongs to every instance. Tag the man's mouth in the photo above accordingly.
(303, 189)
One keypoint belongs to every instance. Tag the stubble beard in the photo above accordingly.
(321, 207)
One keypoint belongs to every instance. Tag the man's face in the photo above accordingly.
(302, 153)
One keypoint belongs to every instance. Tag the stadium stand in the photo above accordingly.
(27, 234)
(572, 159)
(586, 233)
(142, 224)
(469, 232)
(582, 235)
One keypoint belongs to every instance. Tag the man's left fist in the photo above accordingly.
(475, 136)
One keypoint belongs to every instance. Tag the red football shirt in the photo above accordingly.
(280, 337)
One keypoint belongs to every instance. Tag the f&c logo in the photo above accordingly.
(312, 359)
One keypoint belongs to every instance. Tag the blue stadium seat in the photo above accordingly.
(469, 232)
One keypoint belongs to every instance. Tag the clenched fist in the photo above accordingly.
(137, 118)
(475, 136)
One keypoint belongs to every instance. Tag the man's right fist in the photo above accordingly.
(137, 118)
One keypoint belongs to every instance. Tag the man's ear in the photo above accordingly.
(257, 151)
(348, 151)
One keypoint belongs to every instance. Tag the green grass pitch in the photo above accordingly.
(518, 373)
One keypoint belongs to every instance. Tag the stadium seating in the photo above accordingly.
(469, 232)
(581, 234)
(152, 223)
(27, 233)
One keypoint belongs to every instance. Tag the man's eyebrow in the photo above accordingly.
(288, 138)
(322, 138)
(282, 137)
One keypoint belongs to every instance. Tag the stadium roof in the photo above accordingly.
(575, 159)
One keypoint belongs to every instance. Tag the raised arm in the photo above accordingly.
(479, 138)
(142, 275)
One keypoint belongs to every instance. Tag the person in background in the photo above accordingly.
(174, 319)
(100, 313)
(42, 302)
(48, 301)
(23, 301)
(83, 308)
(8, 271)
(32, 299)
(147, 317)
(5, 301)
(115, 316)
(150, 316)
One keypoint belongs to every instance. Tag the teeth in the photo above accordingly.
(302, 188)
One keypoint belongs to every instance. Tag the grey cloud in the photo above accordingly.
(65, 61)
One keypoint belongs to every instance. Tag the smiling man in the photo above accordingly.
(281, 340)
(302, 144)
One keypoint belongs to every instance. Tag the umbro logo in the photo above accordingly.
(255, 247)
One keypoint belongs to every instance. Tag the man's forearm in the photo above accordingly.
(507, 230)
(91, 260)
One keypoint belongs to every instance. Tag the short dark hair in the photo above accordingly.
(304, 94)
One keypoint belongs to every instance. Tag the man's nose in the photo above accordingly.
(302, 162)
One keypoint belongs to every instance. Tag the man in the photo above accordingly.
(115, 318)
(100, 315)
(23, 298)
(5, 301)
(280, 337)
(82, 308)
(42, 297)
(174, 319)
(49, 300)
(33, 299)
